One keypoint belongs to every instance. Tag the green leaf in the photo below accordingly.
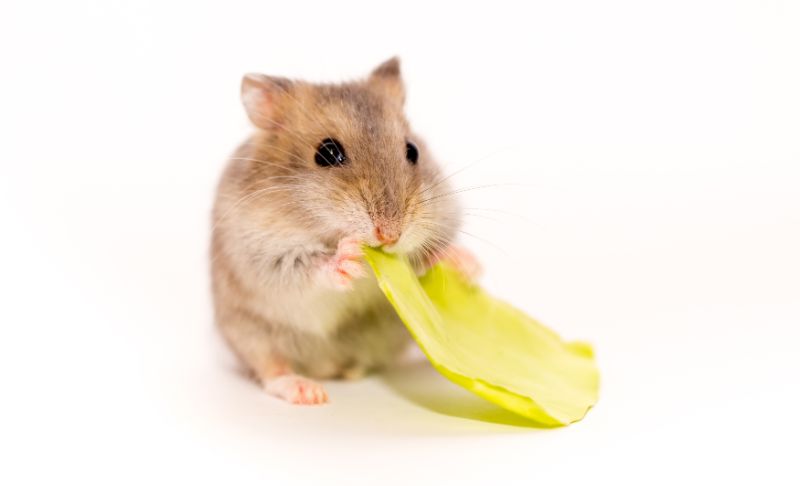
(487, 346)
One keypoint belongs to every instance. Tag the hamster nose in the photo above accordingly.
(386, 236)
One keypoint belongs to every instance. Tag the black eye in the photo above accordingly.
(330, 153)
(412, 154)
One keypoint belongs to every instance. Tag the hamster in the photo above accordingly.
(329, 168)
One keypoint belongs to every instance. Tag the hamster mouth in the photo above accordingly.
(390, 247)
(403, 245)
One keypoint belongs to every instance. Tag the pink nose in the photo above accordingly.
(386, 237)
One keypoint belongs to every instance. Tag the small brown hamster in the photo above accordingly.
(329, 168)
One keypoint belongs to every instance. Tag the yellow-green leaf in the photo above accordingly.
(487, 346)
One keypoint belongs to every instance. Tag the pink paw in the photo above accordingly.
(463, 261)
(297, 389)
(346, 264)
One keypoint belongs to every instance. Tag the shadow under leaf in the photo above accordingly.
(421, 384)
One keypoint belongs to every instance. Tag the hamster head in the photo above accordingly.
(341, 160)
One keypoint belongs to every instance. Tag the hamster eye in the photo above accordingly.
(412, 154)
(330, 153)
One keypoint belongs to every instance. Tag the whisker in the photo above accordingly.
(483, 216)
(504, 252)
(468, 166)
(466, 189)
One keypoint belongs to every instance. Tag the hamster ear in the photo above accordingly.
(388, 68)
(387, 78)
(260, 95)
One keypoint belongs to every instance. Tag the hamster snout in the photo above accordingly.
(330, 167)
(386, 234)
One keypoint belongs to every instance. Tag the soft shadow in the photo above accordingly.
(421, 384)
(381, 404)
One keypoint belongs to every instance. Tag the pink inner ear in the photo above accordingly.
(258, 100)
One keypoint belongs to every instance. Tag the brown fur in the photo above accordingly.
(279, 217)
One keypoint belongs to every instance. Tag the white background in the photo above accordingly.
(646, 160)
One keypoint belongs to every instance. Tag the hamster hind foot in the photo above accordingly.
(296, 389)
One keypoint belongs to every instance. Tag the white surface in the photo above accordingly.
(656, 151)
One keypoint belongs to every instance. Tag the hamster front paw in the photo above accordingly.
(346, 265)
(296, 389)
